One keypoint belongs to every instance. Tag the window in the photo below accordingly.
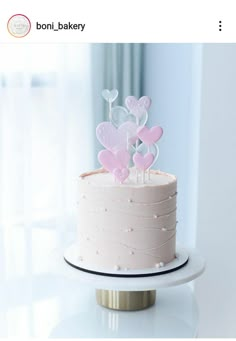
(45, 128)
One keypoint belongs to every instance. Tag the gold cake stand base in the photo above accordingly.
(126, 300)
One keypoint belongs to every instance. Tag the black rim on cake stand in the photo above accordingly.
(136, 289)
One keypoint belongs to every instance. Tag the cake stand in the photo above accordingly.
(132, 293)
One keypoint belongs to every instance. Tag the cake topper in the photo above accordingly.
(127, 140)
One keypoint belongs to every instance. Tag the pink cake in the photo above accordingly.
(127, 212)
(126, 226)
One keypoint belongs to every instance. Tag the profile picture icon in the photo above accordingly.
(19, 25)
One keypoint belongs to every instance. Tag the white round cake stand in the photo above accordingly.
(193, 269)
(174, 315)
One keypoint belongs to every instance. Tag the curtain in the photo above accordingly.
(45, 129)
(123, 69)
(50, 105)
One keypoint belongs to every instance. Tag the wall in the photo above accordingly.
(216, 224)
(172, 80)
(193, 88)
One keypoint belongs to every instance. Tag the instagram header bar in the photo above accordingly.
(119, 21)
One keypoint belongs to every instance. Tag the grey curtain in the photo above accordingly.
(123, 69)
(118, 66)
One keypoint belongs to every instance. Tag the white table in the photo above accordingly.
(173, 316)
(39, 298)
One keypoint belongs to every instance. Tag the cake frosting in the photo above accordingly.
(125, 226)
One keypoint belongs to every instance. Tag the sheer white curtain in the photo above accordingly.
(50, 102)
(45, 129)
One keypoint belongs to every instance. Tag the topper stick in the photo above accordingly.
(137, 123)
(149, 167)
(143, 176)
(136, 146)
(110, 105)
(127, 141)
(128, 144)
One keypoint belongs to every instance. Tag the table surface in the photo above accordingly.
(39, 299)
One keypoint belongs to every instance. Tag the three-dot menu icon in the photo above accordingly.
(220, 25)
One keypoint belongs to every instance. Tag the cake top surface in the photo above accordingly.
(102, 178)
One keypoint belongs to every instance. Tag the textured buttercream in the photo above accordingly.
(126, 226)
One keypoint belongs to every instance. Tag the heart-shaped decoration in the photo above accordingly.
(121, 174)
(138, 107)
(145, 101)
(120, 115)
(123, 156)
(110, 95)
(111, 161)
(143, 162)
(115, 139)
(143, 150)
(150, 136)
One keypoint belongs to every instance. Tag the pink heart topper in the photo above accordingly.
(143, 162)
(138, 107)
(150, 136)
(121, 174)
(111, 161)
(115, 139)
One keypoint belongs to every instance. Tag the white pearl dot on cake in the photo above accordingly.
(154, 216)
(129, 230)
(116, 267)
(126, 269)
(162, 264)
(105, 209)
(164, 229)
(157, 265)
(130, 200)
(131, 252)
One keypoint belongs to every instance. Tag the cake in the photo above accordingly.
(127, 211)
(127, 226)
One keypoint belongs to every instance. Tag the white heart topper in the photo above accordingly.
(110, 95)
(120, 115)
